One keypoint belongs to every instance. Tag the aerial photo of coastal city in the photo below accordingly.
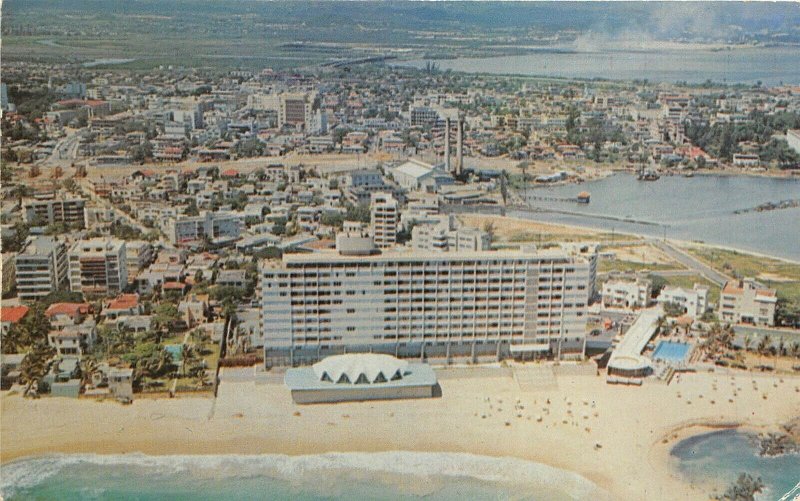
(345, 250)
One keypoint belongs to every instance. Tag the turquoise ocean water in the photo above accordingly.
(713, 458)
(383, 476)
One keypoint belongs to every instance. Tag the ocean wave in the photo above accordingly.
(314, 470)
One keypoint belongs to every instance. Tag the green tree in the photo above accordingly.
(165, 316)
(34, 367)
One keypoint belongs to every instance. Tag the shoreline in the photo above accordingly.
(679, 242)
(578, 413)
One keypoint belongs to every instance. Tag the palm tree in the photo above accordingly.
(12, 340)
(187, 355)
(795, 349)
(88, 368)
(764, 345)
(34, 367)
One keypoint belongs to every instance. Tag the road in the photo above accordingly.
(65, 151)
(84, 185)
(690, 262)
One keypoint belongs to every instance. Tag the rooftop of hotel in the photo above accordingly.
(408, 254)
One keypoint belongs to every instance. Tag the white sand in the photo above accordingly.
(630, 424)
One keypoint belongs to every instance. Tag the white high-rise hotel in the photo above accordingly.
(412, 304)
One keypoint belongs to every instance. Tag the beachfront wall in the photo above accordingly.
(421, 305)
(360, 394)
(417, 381)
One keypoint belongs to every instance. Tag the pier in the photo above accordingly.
(582, 198)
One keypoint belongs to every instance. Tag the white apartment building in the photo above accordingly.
(138, 254)
(70, 211)
(41, 268)
(214, 225)
(443, 236)
(626, 294)
(746, 160)
(694, 301)
(417, 304)
(748, 302)
(98, 266)
(363, 177)
(384, 219)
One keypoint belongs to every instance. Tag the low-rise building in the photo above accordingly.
(67, 210)
(73, 340)
(215, 226)
(62, 314)
(694, 301)
(747, 301)
(626, 293)
(10, 315)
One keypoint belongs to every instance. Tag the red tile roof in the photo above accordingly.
(13, 314)
(230, 173)
(71, 309)
(173, 285)
(123, 302)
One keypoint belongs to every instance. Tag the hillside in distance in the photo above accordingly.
(293, 34)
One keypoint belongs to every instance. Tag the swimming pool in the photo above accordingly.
(672, 352)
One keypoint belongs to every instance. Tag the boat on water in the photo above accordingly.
(648, 175)
(689, 174)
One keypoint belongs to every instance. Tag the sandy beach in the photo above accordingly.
(493, 412)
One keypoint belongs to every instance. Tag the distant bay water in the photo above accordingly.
(337, 476)
(770, 65)
(701, 208)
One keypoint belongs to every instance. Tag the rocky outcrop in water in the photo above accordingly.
(783, 204)
(744, 489)
(777, 444)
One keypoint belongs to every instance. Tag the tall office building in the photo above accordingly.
(41, 268)
(416, 304)
(384, 219)
(98, 266)
(297, 109)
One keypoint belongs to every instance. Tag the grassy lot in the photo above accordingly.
(608, 265)
(537, 237)
(783, 276)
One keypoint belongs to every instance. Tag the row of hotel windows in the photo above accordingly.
(311, 335)
(392, 269)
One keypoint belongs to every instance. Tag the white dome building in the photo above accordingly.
(360, 376)
(366, 368)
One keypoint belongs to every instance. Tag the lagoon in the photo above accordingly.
(701, 208)
(719, 457)
(770, 65)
